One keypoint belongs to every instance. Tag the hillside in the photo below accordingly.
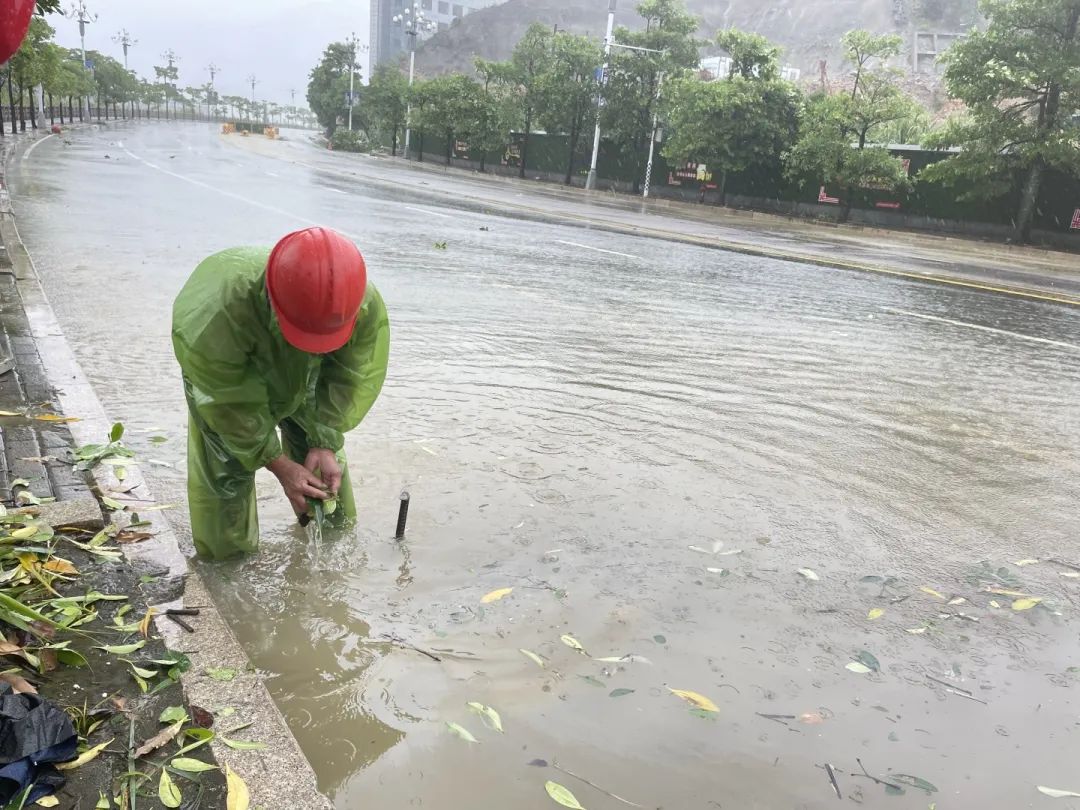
(809, 30)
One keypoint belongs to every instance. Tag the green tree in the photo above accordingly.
(634, 77)
(838, 140)
(1020, 80)
(113, 84)
(752, 55)
(568, 89)
(524, 73)
(733, 124)
(47, 7)
(387, 102)
(37, 59)
(448, 106)
(494, 112)
(328, 87)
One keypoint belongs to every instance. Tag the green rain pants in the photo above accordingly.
(221, 491)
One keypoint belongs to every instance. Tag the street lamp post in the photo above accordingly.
(590, 181)
(252, 81)
(352, 74)
(125, 41)
(78, 12)
(415, 23)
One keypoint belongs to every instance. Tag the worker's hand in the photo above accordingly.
(298, 482)
(324, 463)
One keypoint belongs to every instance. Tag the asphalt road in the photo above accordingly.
(647, 440)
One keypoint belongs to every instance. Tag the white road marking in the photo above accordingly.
(980, 328)
(426, 211)
(35, 145)
(598, 250)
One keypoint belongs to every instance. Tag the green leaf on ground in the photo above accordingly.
(123, 649)
(536, 659)
(562, 796)
(809, 574)
(490, 716)
(221, 673)
(869, 660)
(244, 745)
(461, 732)
(189, 765)
(620, 692)
(168, 792)
(117, 432)
(172, 714)
(659, 639)
(589, 679)
(914, 781)
(573, 644)
(112, 503)
(858, 669)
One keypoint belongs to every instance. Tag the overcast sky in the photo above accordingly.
(277, 40)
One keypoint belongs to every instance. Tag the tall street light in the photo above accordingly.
(590, 181)
(78, 12)
(124, 40)
(211, 96)
(415, 23)
(252, 81)
(352, 75)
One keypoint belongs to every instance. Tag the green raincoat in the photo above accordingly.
(244, 383)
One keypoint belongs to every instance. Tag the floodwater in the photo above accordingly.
(570, 423)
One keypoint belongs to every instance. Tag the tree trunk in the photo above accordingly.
(11, 102)
(449, 146)
(71, 110)
(723, 188)
(393, 144)
(1027, 202)
(525, 144)
(483, 162)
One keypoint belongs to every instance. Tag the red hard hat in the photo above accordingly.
(316, 279)
(14, 22)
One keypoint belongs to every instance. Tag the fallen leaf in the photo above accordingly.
(1026, 604)
(1004, 592)
(102, 802)
(696, 700)
(159, 739)
(812, 718)
(495, 596)
(202, 718)
(533, 657)
(25, 533)
(957, 600)
(461, 731)
(19, 684)
(716, 546)
(716, 570)
(914, 781)
(932, 592)
(244, 745)
(167, 790)
(52, 417)
(221, 673)
(172, 714)
(144, 625)
(573, 643)
(1071, 574)
(238, 797)
(538, 763)
(1025, 562)
(869, 660)
(875, 613)
(562, 796)
(859, 669)
(48, 801)
(83, 758)
(123, 649)
(11, 413)
(810, 575)
(591, 681)
(189, 765)
(620, 692)
(489, 715)
(994, 603)
(1054, 793)
(916, 630)
(59, 566)
(730, 553)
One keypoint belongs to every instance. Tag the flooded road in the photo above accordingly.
(647, 442)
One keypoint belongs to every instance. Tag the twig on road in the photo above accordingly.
(558, 767)
(876, 780)
(832, 778)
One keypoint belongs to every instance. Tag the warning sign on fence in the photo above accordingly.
(1076, 220)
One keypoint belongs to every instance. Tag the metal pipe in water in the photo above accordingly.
(402, 516)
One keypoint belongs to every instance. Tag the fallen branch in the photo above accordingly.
(832, 778)
(875, 779)
(403, 643)
(947, 684)
(594, 786)
(1056, 561)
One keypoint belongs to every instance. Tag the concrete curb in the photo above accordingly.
(279, 777)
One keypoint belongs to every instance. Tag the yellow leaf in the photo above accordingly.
(573, 644)
(994, 603)
(238, 798)
(52, 417)
(1025, 604)
(1004, 592)
(167, 790)
(1025, 562)
(916, 631)
(10, 413)
(47, 801)
(25, 533)
(932, 592)
(533, 657)
(562, 796)
(875, 613)
(59, 566)
(495, 596)
(144, 625)
(83, 758)
(696, 700)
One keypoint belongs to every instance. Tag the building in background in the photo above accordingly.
(715, 68)
(388, 39)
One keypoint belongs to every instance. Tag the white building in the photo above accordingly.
(715, 68)
(388, 39)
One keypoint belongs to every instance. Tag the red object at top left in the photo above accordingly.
(14, 22)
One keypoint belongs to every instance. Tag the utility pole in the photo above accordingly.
(414, 22)
(590, 181)
(171, 72)
(78, 12)
(124, 40)
(252, 81)
(211, 95)
(352, 73)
